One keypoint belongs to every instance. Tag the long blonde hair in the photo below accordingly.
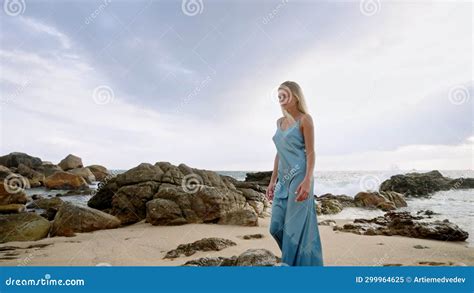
(298, 94)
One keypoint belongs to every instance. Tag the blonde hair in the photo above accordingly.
(296, 93)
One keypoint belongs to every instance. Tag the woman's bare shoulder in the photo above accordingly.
(307, 119)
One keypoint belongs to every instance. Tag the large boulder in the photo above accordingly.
(48, 169)
(162, 211)
(100, 172)
(102, 198)
(71, 219)
(65, 181)
(424, 184)
(17, 158)
(84, 173)
(70, 162)
(23, 227)
(46, 203)
(13, 208)
(405, 224)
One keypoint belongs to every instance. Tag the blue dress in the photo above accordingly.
(294, 225)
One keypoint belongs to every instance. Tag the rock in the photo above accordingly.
(418, 246)
(17, 158)
(7, 197)
(162, 211)
(35, 178)
(385, 200)
(46, 203)
(262, 178)
(212, 261)
(328, 223)
(253, 236)
(424, 184)
(48, 169)
(4, 172)
(23, 227)
(100, 172)
(70, 162)
(344, 200)
(102, 198)
(250, 257)
(256, 257)
(244, 217)
(330, 206)
(84, 173)
(205, 244)
(129, 202)
(71, 219)
(404, 224)
(13, 208)
(65, 181)
(142, 173)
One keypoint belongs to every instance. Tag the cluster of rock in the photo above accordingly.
(205, 244)
(25, 171)
(405, 224)
(20, 171)
(165, 194)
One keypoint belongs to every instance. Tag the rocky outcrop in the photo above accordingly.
(84, 173)
(48, 169)
(165, 194)
(23, 227)
(65, 181)
(100, 172)
(424, 184)
(328, 203)
(404, 224)
(384, 200)
(17, 158)
(35, 178)
(70, 162)
(205, 244)
(13, 208)
(71, 219)
(261, 178)
(46, 203)
(11, 197)
(250, 257)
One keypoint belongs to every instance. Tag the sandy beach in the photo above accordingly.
(142, 244)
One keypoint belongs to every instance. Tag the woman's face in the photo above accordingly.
(285, 98)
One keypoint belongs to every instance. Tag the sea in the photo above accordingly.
(456, 205)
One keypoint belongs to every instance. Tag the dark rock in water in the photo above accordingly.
(205, 244)
(424, 184)
(71, 219)
(65, 181)
(428, 213)
(23, 227)
(250, 257)
(262, 178)
(328, 203)
(70, 162)
(404, 224)
(165, 194)
(17, 158)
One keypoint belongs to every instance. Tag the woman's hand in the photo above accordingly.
(270, 190)
(303, 189)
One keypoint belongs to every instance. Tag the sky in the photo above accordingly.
(389, 84)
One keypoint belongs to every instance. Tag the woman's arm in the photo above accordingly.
(275, 170)
(308, 133)
(303, 189)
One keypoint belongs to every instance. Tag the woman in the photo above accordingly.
(294, 222)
